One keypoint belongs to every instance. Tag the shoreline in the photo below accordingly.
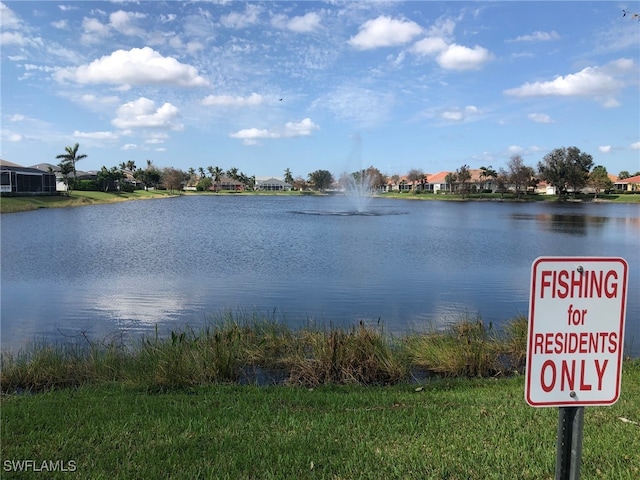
(16, 204)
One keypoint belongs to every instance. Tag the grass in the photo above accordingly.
(75, 199)
(80, 198)
(446, 428)
(241, 348)
(510, 197)
(349, 403)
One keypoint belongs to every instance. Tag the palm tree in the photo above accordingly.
(486, 173)
(233, 173)
(72, 157)
(65, 169)
(216, 174)
(450, 179)
(288, 177)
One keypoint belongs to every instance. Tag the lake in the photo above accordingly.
(411, 265)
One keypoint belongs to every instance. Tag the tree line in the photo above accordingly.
(566, 168)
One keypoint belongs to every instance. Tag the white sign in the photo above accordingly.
(576, 331)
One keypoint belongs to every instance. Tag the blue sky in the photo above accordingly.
(336, 85)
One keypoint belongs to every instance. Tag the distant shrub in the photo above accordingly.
(85, 185)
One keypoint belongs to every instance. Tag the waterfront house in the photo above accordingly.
(272, 184)
(18, 180)
(631, 184)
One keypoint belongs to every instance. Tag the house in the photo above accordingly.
(16, 179)
(227, 183)
(437, 182)
(478, 182)
(403, 184)
(61, 185)
(544, 188)
(631, 184)
(272, 184)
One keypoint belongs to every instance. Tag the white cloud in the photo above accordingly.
(228, 101)
(241, 20)
(540, 117)
(94, 30)
(453, 115)
(142, 113)
(8, 18)
(91, 99)
(357, 106)
(129, 146)
(598, 82)
(604, 148)
(458, 114)
(384, 32)
(635, 146)
(96, 135)
(430, 46)
(137, 66)
(515, 150)
(60, 24)
(300, 129)
(250, 136)
(537, 37)
(124, 22)
(13, 137)
(459, 57)
(307, 23)
(17, 117)
(17, 38)
(156, 137)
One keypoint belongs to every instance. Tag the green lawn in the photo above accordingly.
(77, 198)
(455, 429)
(509, 197)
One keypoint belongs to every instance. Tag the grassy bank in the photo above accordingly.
(447, 428)
(248, 349)
(79, 198)
(75, 199)
(350, 403)
(510, 197)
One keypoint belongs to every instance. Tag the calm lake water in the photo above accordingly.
(131, 266)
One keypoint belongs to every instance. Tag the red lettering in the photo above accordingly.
(546, 283)
(613, 342)
(569, 376)
(562, 277)
(600, 373)
(584, 338)
(559, 342)
(538, 339)
(548, 339)
(576, 282)
(547, 387)
(596, 284)
(583, 386)
(611, 288)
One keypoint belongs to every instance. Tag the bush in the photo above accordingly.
(85, 185)
(126, 187)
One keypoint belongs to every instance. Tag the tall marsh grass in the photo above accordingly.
(233, 348)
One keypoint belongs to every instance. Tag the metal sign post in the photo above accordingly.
(574, 344)
(569, 446)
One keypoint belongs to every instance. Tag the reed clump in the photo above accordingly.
(250, 349)
(360, 355)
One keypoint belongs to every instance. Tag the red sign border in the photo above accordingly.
(530, 330)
